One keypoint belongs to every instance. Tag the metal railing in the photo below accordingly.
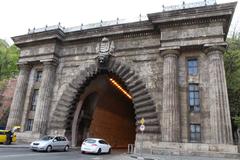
(89, 26)
(188, 5)
(121, 21)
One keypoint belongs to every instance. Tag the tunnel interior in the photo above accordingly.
(107, 112)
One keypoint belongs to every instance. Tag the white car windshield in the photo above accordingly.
(90, 141)
(46, 138)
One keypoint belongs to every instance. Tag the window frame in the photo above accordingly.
(34, 99)
(195, 98)
(28, 126)
(192, 67)
(37, 77)
(196, 134)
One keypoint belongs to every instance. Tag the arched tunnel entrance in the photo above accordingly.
(105, 110)
(106, 107)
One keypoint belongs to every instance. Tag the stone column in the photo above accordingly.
(220, 121)
(170, 124)
(44, 98)
(15, 114)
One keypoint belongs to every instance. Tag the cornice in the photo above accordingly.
(135, 29)
(199, 15)
(193, 13)
(50, 36)
(188, 22)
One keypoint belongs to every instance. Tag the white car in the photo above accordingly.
(49, 143)
(95, 145)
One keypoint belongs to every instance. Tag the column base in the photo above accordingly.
(27, 137)
(188, 149)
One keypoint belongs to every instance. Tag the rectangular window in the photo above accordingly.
(192, 67)
(29, 125)
(194, 99)
(195, 133)
(38, 77)
(34, 99)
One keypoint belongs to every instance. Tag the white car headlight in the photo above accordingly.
(41, 145)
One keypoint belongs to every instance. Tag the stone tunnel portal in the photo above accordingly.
(105, 111)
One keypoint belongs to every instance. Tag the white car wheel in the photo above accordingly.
(99, 151)
(49, 148)
(109, 151)
(66, 148)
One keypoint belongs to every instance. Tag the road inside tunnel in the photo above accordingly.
(107, 112)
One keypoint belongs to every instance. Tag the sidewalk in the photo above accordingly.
(17, 145)
(174, 157)
(14, 145)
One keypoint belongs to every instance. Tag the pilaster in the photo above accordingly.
(220, 121)
(16, 109)
(45, 97)
(170, 126)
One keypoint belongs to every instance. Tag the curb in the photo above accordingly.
(14, 146)
(28, 146)
(141, 157)
(151, 157)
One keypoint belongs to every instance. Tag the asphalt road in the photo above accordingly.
(27, 154)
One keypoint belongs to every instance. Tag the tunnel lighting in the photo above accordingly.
(120, 88)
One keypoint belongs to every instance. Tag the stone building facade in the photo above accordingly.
(171, 65)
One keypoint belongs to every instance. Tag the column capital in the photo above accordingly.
(52, 62)
(25, 66)
(169, 51)
(210, 48)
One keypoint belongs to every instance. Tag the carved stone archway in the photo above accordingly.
(144, 105)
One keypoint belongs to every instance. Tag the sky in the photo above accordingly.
(17, 16)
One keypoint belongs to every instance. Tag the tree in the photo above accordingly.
(8, 68)
(232, 68)
(8, 60)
